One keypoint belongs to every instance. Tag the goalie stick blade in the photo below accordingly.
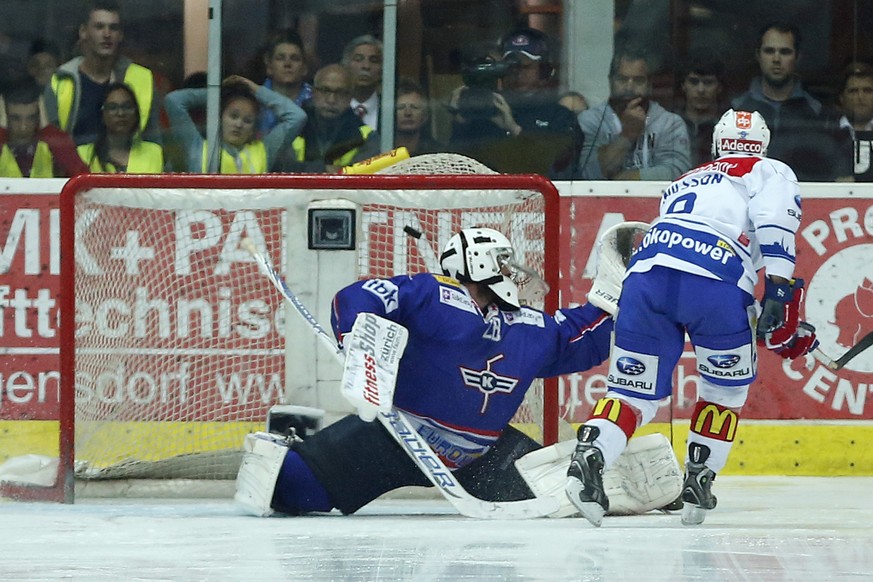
(525, 509)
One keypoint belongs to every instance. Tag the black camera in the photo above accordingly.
(481, 77)
(485, 72)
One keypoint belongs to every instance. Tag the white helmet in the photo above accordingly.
(740, 132)
(482, 255)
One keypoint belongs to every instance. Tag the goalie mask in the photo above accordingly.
(482, 255)
(740, 132)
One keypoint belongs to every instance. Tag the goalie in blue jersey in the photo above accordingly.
(473, 351)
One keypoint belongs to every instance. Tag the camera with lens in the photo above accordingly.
(481, 76)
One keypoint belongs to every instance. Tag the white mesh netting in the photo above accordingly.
(181, 346)
(438, 164)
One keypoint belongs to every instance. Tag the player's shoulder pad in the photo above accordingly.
(774, 166)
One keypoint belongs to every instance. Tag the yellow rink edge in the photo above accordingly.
(761, 447)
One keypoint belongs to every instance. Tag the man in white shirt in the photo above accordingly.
(363, 57)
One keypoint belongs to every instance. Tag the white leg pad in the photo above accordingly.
(258, 472)
(645, 477)
(545, 472)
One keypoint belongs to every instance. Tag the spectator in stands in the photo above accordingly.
(701, 80)
(286, 73)
(119, 147)
(42, 61)
(78, 87)
(631, 137)
(363, 57)
(334, 136)
(175, 153)
(241, 152)
(507, 115)
(798, 133)
(856, 103)
(28, 150)
(412, 128)
(574, 101)
(41, 64)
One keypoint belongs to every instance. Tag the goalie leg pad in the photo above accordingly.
(646, 476)
(545, 472)
(258, 473)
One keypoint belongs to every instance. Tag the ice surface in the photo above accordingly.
(765, 528)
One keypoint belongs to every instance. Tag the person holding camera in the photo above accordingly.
(631, 137)
(507, 115)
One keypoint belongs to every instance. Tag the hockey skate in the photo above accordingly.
(697, 497)
(585, 477)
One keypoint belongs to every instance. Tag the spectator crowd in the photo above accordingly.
(102, 112)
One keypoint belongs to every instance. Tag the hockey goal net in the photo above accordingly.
(173, 346)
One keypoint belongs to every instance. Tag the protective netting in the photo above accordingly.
(438, 164)
(182, 346)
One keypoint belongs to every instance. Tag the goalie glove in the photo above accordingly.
(614, 250)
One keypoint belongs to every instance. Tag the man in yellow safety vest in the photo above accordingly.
(77, 89)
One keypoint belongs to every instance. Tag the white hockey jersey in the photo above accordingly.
(726, 219)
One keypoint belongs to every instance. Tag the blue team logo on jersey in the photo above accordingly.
(630, 366)
(724, 360)
(487, 381)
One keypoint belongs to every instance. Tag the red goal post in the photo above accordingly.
(173, 347)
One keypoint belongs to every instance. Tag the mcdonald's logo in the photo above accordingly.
(608, 408)
(715, 421)
(618, 412)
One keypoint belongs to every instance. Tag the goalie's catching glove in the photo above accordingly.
(614, 250)
(779, 327)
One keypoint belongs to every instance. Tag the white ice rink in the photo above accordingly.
(765, 529)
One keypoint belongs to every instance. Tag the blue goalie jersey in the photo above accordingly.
(464, 372)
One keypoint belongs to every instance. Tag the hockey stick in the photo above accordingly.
(407, 437)
(864, 343)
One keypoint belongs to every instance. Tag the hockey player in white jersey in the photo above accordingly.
(695, 272)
